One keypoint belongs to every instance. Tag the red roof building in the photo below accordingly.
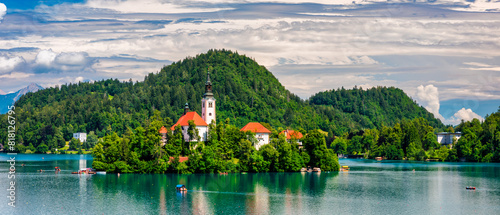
(163, 130)
(184, 120)
(181, 159)
(255, 127)
(261, 133)
(289, 134)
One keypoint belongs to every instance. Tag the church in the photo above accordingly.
(201, 122)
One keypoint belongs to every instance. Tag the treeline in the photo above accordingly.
(415, 140)
(227, 150)
(245, 91)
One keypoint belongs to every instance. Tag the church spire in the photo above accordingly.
(208, 87)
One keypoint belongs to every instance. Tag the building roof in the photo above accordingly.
(181, 159)
(163, 130)
(449, 133)
(184, 120)
(291, 133)
(255, 127)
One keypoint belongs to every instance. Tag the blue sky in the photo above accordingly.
(444, 54)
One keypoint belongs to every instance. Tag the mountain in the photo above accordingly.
(9, 99)
(245, 92)
(377, 106)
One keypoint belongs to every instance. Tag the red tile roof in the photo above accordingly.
(291, 133)
(183, 121)
(181, 159)
(255, 127)
(163, 130)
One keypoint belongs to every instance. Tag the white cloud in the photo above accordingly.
(463, 114)
(354, 39)
(15, 75)
(3, 11)
(79, 79)
(148, 6)
(428, 97)
(8, 64)
(45, 57)
(49, 61)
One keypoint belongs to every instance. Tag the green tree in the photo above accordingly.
(42, 149)
(339, 145)
(92, 139)
(74, 144)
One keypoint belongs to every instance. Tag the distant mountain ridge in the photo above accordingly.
(8, 99)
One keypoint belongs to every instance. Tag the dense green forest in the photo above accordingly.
(415, 140)
(227, 150)
(245, 91)
(376, 107)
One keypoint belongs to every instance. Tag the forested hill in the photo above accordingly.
(245, 91)
(378, 105)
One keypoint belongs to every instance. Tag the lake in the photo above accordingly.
(387, 187)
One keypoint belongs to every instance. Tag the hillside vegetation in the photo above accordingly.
(245, 91)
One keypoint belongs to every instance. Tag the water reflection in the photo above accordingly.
(369, 188)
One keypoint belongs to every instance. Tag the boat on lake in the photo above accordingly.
(470, 188)
(316, 169)
(344, 168)
(378, 158)
(180, 188)
(88, 171)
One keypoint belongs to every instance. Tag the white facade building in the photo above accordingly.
(446, 138)
(261, 133)
(81, 136)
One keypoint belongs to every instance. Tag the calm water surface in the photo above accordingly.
(388, 187)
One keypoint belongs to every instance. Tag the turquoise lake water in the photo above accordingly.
(388, 187)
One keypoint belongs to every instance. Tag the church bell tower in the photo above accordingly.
(208, 103)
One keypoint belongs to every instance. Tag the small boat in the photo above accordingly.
(303, 169)
(85, 171)
(470, 188)
(222, 173)
(378, 158)
(101, 172)
(316, 169)
(180, 188)
(344, 169)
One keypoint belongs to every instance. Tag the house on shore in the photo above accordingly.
(80, 136)
(446, 138)
(261, 133)
(291, 134)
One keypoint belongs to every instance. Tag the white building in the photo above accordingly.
(81, 136)
(446, 138)
(208, 115)
(208, 103)
(261, 133)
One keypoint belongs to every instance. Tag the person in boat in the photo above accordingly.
(181, 187)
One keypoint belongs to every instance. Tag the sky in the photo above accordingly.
(444, 54)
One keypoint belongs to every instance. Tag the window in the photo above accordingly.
(210, 104)
(209, 114)
(203, 104)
